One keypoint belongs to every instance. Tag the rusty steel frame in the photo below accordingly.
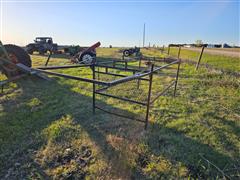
(139, 73)
(139, 77)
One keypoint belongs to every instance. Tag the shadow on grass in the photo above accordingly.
(36, 104)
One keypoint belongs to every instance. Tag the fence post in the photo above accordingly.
(168, 49)
(199, 58)
(176, 81)
(94, 88)
(179, 50)
(49, 56)
(149, 96)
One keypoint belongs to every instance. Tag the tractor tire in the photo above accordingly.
(87, 58)
(126, 53)
(16, 55)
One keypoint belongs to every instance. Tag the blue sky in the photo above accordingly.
(120, 22)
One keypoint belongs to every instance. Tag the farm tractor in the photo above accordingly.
(131, 51)
(72, 50)
(42, 45)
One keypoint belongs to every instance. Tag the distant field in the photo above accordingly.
(227, 49)
(227, 63)
(48, 131)
(219, 51)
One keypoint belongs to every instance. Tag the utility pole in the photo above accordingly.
(143, 34)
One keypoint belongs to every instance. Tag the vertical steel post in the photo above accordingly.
(149, 96)
(179, 50)
(98, 73)
(140, 62)
(199, 58)
(176, 81)
(139, 66)
(94, 88)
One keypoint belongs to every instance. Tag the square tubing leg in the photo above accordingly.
(149, 96)
(98, 76)
(176, 81)
(94, 89)
(139, 66)
(126, 64)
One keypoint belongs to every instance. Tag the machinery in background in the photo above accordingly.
(42, 45)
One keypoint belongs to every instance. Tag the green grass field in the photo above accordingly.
(229, 64)
(47, 129)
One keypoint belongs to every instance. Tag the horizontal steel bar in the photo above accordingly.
(118, 68)
(116, 60)
(12, 79)
(137, 76)
(129, 78)
(154, 59)
(120, 115)
(63, 67)
(103, 89)
(104, 62)
(161, 93)
(120, 98)
(108, 73)
(164, 66)
(120, 75)
(74, 77)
